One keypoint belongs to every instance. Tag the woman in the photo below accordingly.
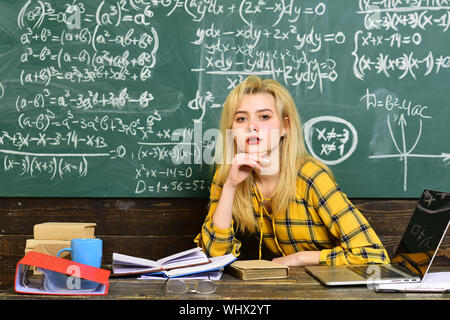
(267, 184)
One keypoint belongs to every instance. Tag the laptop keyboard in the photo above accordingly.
(374, 272)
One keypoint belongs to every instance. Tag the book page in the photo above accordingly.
(208, 275)
(122, 269)
(133, 261)
(216, 263)
(193, 253)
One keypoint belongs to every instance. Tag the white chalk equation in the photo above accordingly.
(330, 139)
(139, 84)
(32, 164)
(385, 23)
(236, 50)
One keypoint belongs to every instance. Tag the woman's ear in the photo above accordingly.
(286, 127)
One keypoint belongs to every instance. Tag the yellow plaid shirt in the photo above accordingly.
(320, 218)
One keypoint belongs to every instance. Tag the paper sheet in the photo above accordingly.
(433, 282)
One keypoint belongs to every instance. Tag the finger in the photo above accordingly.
(251, 156)
(245, 157)
(264, 160)
(254, 159)
(250, 163)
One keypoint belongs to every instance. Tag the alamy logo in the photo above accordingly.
(74, 281)
(73, 17)
(372, 19)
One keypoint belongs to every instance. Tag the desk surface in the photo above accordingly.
(298, 286)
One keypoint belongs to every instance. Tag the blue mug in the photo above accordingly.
(85, 251)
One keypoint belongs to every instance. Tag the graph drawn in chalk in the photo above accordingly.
(403, 152)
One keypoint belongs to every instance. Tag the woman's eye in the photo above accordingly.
(265, 117)
(240, 119)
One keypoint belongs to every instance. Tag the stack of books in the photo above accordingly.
(50, 237)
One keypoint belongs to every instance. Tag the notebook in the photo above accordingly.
(414, 255)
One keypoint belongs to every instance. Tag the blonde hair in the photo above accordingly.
(293, 152)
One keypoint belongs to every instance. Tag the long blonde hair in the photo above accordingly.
(292, 150)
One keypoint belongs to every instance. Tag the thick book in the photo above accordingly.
(128, 265)
(258, 269)
(64, 230)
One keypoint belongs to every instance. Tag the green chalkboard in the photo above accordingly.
(123, 98)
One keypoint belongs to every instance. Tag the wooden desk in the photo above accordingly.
(299, 295)
(298, 286)
(153, 228)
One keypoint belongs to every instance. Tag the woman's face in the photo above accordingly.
(256, 124)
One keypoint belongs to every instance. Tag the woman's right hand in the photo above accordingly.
(241, 167)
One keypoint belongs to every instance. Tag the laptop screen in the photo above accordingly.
(424, 233)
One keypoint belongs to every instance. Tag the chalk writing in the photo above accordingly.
(383, 17)
(80, 43)
(336, 139)
(104, 84)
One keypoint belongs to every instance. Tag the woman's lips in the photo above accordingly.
(253, 140)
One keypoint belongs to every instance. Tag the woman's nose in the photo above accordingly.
(251, 126)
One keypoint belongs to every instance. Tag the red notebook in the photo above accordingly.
(61, 276)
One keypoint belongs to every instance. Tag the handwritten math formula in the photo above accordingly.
(129, 92)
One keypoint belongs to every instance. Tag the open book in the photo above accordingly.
(128, 265)
(211, 270)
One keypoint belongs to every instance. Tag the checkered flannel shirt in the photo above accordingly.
(321, 218)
